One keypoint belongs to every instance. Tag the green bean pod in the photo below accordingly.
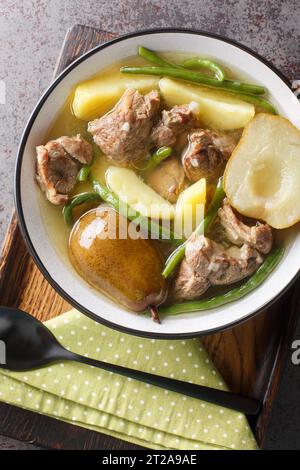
(83, 173)
(77, 200)
(270, 262)
(174, 259)
(195, 77)
(257, 101)
(177, 256)
(247, 91)
(214, 206)
(154, 58)
(156, 230)
(156, 158)
(196, 62)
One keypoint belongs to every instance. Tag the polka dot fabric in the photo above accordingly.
(123, 407)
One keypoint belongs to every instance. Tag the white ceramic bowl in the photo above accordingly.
(59, 271)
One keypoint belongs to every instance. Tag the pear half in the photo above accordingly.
(262, 176)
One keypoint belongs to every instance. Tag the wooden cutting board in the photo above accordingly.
(250, 356)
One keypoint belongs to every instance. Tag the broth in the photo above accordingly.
(67, 124)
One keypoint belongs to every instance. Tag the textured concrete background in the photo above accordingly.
(31, 34)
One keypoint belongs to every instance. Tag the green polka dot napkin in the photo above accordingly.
(123, 407)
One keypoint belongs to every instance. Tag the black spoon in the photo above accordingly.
(30, 345)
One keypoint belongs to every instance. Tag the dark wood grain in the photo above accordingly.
(79, 39)
(250, 356)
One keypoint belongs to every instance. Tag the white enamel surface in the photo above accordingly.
(61, 271)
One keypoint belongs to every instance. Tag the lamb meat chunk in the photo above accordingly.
(167, 179)
(233, 264)
(78, 148)
(226, 141)
(172, 123)
(207, 153)
(56, 172)
(57, 166)
(123, 134)
(188, 284)
(214, 264)
(202, 159)
(219, 264)
(259, 236)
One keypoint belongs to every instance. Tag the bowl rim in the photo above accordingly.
(17, 182)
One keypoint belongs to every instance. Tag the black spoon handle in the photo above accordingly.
(249, 406)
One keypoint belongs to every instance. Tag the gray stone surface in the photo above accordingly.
(31, 34)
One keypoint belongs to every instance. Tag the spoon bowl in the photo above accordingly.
(28, 343)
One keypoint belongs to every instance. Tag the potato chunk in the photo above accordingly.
(189, 210)
(138, 195)
(217, 109)
(262, 177)
(97, 96)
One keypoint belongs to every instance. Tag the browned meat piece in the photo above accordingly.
(202, 159)
(259, 236)
(188, 284)
(56, 172)
(167, 179)
(172, 123)
(210, 263)
(226, 141)
(207, 153)
(58, 163)
(123, 133)
(218, 264)
(77, 148)
(234, 264)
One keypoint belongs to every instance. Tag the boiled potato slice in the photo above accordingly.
(133, 191)
(262, 176)
(189, 209)
(217, 109)
(96, 97)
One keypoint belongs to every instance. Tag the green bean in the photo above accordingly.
(83, 173)
(196, 62)
(214, 206)
(156, 158)
(175, 257)
(152, 57)
(96, 151)
(270, 262)
(195, 77)
(257, 101)
(203, 227)
(76, 201)
(106, 195)
(156, 230)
